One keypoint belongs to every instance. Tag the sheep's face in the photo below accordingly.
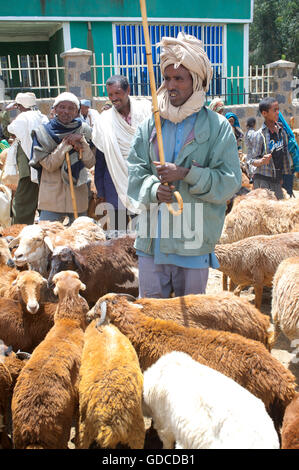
(63, 259)
(32, 247)
(29, 285)
(67, 283)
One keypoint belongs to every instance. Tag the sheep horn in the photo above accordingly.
(49, 243)
(103, 307)
(128, 296)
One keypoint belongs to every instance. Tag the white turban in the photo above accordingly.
(188, 51)
(66, 96)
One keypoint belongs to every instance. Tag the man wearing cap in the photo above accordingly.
(87, 113)
(112, 135)
(25, 200)
(201, 163)
(64, 133)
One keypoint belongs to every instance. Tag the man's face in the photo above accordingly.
(118, 97)
(272, 114)
(84, 109)
(179, 84)
(66, 111)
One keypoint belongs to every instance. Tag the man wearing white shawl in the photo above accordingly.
(25, 200)
(113, 132)
(201, 163)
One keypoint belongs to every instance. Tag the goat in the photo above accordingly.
(110, 391)
(290, 425)
(244, 360)
(285, 299)
(45, 397)
(196, 407)
(254, 260)
(102, 266)
(224, 311)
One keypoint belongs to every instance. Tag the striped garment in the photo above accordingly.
(261, 146)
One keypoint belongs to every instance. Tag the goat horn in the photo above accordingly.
(103, 307)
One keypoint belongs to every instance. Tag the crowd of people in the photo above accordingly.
(202, 147)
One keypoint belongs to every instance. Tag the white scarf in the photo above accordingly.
(22, 127)
(113, 136)
(188, 51)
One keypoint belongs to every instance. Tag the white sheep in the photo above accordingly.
(196, 407)
(285, 299)
(5, 203)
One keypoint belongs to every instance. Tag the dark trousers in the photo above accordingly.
(25, 202)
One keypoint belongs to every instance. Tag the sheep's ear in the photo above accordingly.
(14, 282)
(82, 286)
(14, 242)
(49, 243)
(78, 261)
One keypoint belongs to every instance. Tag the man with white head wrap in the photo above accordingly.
(64, 133)
(201, 163)
(25, 200)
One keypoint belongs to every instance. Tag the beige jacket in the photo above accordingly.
(54, 194)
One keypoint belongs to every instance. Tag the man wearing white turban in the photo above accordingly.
(201, 163)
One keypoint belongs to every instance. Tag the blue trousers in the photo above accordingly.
(58, 216)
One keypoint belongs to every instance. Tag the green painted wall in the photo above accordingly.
(157, 8)
(235, 51)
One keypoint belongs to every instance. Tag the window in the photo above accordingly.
(130, 52)
(31, 73)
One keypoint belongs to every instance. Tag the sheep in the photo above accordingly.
(290, 425)
(10, 367)
(5, 204)
(25, 321)
(285, 299)
(254, 260)
(110, 391)
(8, 272)
(244, 360)
(37, 242)
(30, 288)
(196, 407)
(33, 251)
(259, 216)
(224, 311)
(102, 266)
(45, 397)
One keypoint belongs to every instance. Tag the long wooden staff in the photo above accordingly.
(149, 59)
(74, 202)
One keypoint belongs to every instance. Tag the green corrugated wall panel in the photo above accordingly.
(239, 9)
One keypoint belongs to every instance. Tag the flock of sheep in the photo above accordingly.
(80, 350)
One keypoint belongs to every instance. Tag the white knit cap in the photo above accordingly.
(66, 96)
(26, 99)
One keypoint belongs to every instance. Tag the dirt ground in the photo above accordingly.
(282, 349)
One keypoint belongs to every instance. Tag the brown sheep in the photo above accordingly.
(285, 299)
(24, 320)
(10, 367)
(290, 425)
(254, 260)
(246, 361)
(102, 266)
(45, 397)
(110, 391)
(224, 311)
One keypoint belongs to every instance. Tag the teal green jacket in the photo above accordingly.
(211, 154)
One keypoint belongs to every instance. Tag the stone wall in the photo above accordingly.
(77, 63)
